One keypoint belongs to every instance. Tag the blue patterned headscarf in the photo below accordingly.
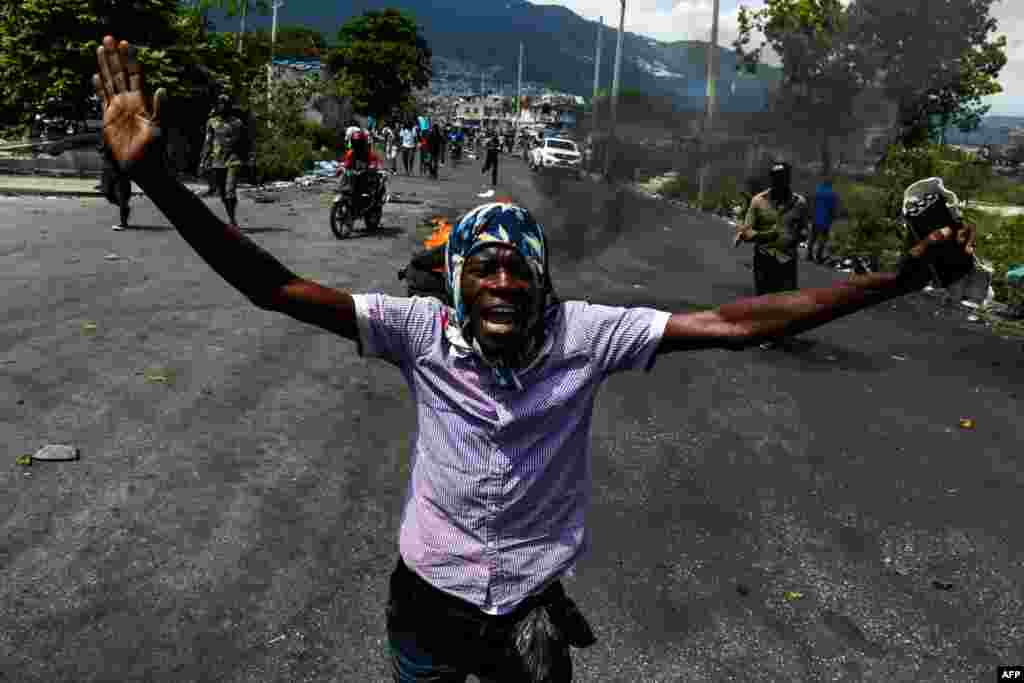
(483, 226)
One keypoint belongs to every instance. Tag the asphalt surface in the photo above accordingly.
(813, 514)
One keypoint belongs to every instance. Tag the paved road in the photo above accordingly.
(760, 515)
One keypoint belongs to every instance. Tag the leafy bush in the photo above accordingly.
(1001, 244)
(722, 197)
(281, 158)
(679, 187)
(286, 143)
(322, 136)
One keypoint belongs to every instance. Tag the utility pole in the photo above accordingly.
(615, 87)
(241, 33)
(519, 89)
(597, 85)
(273, 42)
(710, 103)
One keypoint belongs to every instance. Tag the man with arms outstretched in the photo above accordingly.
(504, 381)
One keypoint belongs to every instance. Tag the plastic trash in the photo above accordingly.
(88, 327)
(112, 257)
(1015, 276)
(56, 452)
(790, 596)
(967, 423)
(158, 375)
(24, 460)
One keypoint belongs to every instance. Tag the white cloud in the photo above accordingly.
(663, 20)
(691, 20)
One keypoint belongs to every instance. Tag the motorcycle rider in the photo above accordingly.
(359, 157)
(457, 139)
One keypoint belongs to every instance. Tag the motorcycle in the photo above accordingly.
(361, 194)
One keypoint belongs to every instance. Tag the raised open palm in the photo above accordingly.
(131, 120)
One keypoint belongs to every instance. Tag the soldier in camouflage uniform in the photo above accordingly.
(225, 152)
(776, 221)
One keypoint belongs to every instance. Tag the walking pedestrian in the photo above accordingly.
(826, 206)
(391, 146)
(116, 186)
(493, 152)
(444, 144)
(225, 147)
(505, 381)
(435, 142)
(424, 147)
(408, 136)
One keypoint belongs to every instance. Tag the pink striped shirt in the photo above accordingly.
(500, 480)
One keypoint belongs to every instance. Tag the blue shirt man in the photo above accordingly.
(826, 203)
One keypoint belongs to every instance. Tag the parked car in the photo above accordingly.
(557, 154)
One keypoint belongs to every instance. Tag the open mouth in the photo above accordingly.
(502, 315)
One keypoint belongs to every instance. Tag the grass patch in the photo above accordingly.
(1002, 190)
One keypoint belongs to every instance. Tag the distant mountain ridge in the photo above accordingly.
(560, 47)
(994, 130)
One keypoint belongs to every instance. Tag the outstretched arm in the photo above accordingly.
(752, 321)
(131, 126)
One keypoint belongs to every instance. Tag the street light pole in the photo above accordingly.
(519, 90)
(593, 101)
(710, 102)
(615, 86)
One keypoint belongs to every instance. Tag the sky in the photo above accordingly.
(691, 20)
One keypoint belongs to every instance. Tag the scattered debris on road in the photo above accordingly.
(967, 423)
(277, 639)
(88, 327)
(791, 596)
(158, 375)
(24, 460)
(56, 453)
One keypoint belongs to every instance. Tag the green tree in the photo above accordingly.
(380, 60)
(293, 41)
(935, 60)
(234, 8)
(824, 72)
(48, 49)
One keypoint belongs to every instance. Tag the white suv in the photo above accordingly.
(557, 154)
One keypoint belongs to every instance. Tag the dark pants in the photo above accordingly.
(819, 235)
(770, 276)
(225, 180)
(492, 166)
(407, 156)
(435, 161)
(436, 637)
(117, 188)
